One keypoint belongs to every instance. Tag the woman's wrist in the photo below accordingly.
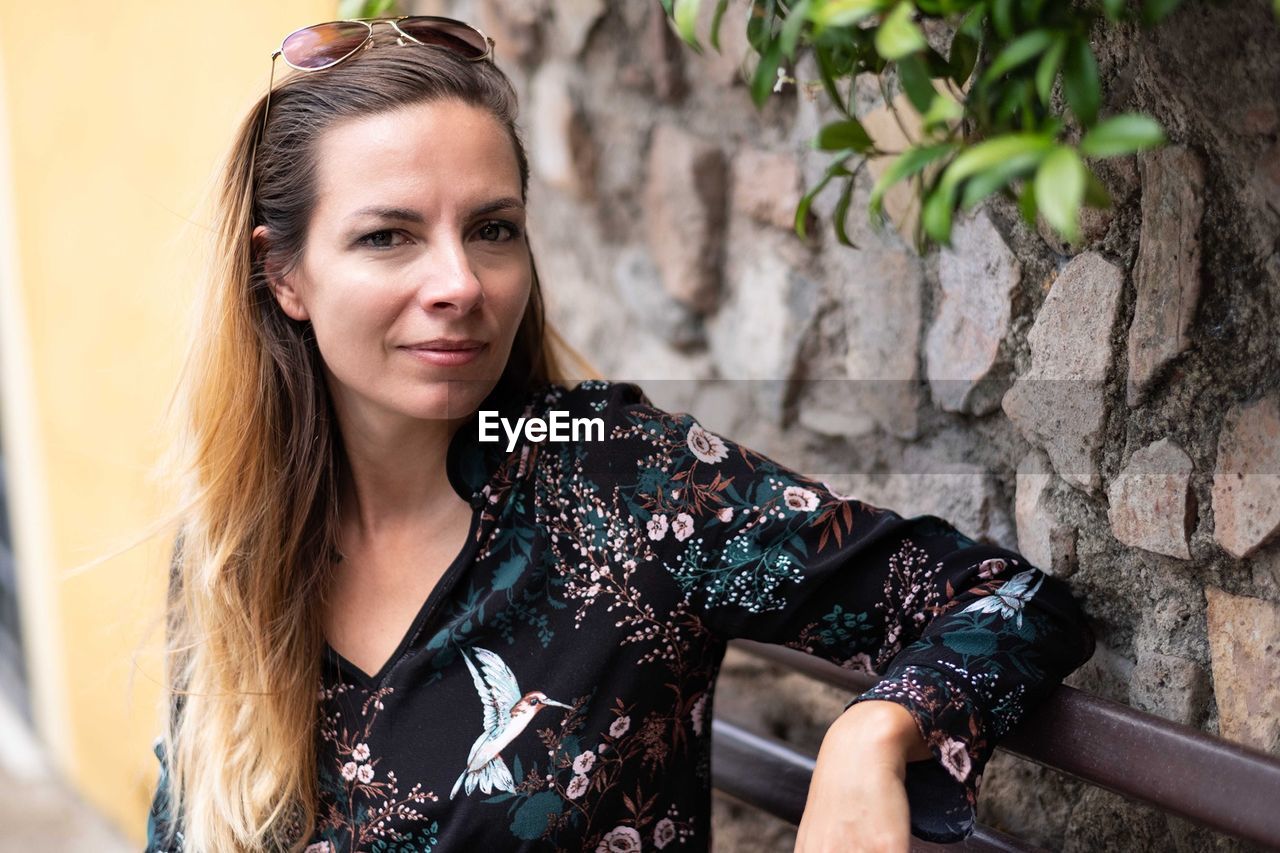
(884, 722)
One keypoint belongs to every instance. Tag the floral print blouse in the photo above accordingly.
(555, 691)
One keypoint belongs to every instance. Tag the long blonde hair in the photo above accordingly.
(256, 461)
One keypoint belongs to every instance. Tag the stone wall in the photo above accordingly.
(1110, 410)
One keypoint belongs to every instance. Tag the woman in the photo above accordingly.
(387, 634)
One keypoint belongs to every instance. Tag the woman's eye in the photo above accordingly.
(372, 240)
(512, 229)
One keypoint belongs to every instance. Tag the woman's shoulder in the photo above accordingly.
(606, 398)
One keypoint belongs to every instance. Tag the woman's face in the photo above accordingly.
(417, 235)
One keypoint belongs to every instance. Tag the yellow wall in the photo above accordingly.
(112, 118)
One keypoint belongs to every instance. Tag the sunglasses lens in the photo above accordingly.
(324, 44)
(453, 35)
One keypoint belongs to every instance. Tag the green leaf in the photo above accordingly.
(1080, 81)
(686, 19)
(1047, 70)
(1060, 182)
(721, 6)
(1022, 49)
(944, 110)
(1002, 18)
(936, 216)
(766, 74)
(844, 134)
(836, 169)
(1122, 134)
(898, 35)
(964, 53)
(828, 77)
(843, 13)
(842, 210)
(791, 28)
(991, 153)
(1027, 202)
(760, 25)
(908, 163)
(997, 177)
(1095, 194)
(1155, 11)
(915, 81)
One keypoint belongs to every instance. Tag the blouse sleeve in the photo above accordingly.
(967, 637)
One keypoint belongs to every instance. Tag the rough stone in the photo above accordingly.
(895, 133)
(766, 187)
(1167, 272)
(1094, 224)
(1246, 478)
(639, 283)
(1043, 538)
(561, 150)
(757, 333)
(514, 26)
(571, 24)
(881, 297)
(833, 407)
(728, 65)
(1170, 687)
(964, 494)
(684, 202)
(1059, 403)
(660, 60)
(978, 274)
(1150, 501)
(1244, 642)
(1104, 821)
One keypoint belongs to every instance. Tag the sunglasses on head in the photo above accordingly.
(322, 46)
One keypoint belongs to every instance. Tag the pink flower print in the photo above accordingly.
(664, 833)
(577, 787)
(799, 499)
(620, 839)
(657, 527)
(705, 445)
(861, 662)
(725, 514)
(955, 757)
(584, 762)
(696, 712)
(319, 847)
(361, 752)
(349, 770)
(620, 726)
(990, 568)
(683, 526)
(365, 773)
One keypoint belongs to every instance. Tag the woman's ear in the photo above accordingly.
(282, 286)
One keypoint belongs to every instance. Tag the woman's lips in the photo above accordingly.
(445, 357)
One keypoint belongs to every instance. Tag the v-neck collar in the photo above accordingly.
(470, 466)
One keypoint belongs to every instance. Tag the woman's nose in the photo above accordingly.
(450, 280)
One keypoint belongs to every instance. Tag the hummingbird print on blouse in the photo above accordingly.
(506, 714)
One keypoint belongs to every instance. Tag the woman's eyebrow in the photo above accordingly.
(404, 214)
